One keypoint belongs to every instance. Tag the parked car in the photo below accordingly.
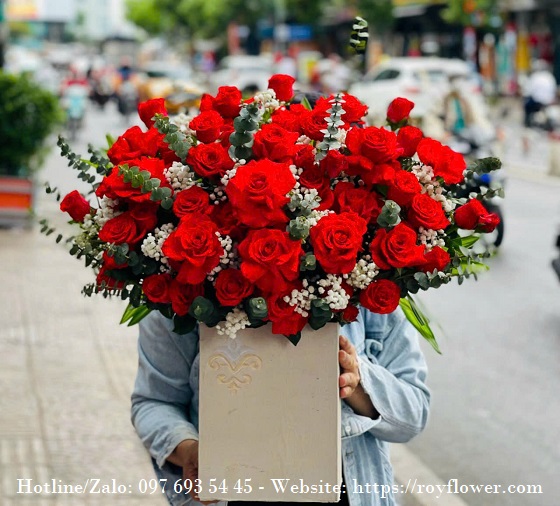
(249, 73)
(177, 84)
(424, 80)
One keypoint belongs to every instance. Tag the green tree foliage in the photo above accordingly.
(470, 12)
(29, 115)
(149, 15)
(378, 14)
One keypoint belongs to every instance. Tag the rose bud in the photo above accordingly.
(75, 205)
(474, 214)
(282, 84)
(399, 110)
(148, 109)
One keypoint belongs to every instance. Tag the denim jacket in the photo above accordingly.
(393, 374)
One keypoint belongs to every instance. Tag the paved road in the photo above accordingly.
(495, 390)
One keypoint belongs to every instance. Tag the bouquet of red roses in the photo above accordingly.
(267, 210)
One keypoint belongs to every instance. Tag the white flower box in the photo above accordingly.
(270, 411)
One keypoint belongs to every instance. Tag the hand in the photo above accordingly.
(186, 456)
(349, 378)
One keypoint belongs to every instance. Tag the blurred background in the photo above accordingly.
(484, 77)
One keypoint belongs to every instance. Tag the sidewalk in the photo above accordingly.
(66, 375)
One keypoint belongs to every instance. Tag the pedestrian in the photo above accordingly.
(540, 91)
(382, 389)
(466, 117)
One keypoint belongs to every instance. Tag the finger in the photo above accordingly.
(346, 392)
(346, 345)
(348, 380)
(347, 362)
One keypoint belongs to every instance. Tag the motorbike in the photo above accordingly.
(556, 261)
(74, 102)
(472, 151)
(127, 100)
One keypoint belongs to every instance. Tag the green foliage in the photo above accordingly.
(378, 14)
(257, 309)
(29, 115)
(470, 12)
(389, 216)
(419, 320)
(149, 15)
(320, 314)
(176, 139)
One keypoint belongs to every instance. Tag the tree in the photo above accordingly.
(471, 12)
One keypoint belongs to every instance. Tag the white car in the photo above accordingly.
(423, 80)
(248, 73)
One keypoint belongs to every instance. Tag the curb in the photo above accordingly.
(410, 469)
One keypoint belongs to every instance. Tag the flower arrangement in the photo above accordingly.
(266, 210)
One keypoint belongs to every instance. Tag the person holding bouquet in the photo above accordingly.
(382, 388)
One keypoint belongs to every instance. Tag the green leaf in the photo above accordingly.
(203, 310)
(469, 240)
(294, 338)
(167, 203)
(306, 104)
(419, 321)
(240, 138)
(183, 324)
(141, 312)
(320, 314)
(133, 315)
(257, 308)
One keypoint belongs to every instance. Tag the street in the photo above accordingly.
(67, 366)
(495, 405)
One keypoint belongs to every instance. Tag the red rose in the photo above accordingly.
(206, 102)
(291, 119)
(156, 288)
(258, 193)
(334, 163)
(285, 320)
(283, 85)
(122, 229)
(225, 133)
(314, 177)
(209, 160)
(105, 279)
(207, 125)
(399, 109)
(426, 212)
(489, 222)
(404, 186)
(75, 205)
(145, 215)
(447, 164)
(376, 144)
(354, 110)
(359, 200)
(114, 187)
(134, 143)
(316, 122)
(227, 101)
(396, 248)
(232, 287)
(275, 143)
(225, 217)
(473, 214)
(350, 313)
(372, 174)
(408, 138)
(194, 248)
(336, 240)
(148, 109)
(381, 296)
(183, 295)
(437, 258)
(270, 259)
(192, 200)
(110, 264)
